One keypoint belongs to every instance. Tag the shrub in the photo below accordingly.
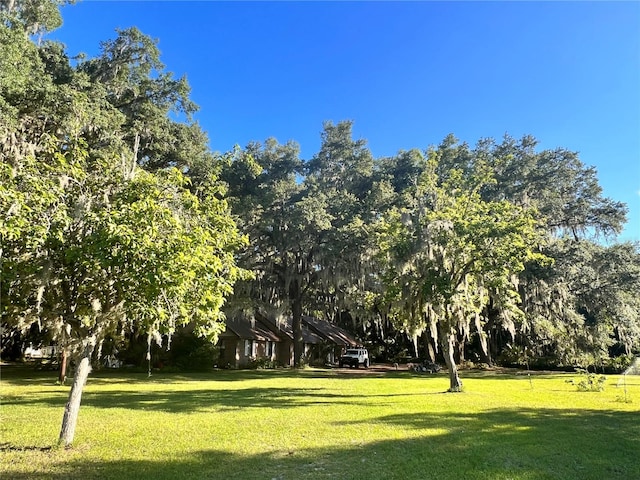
(590, 382)
(261, 363)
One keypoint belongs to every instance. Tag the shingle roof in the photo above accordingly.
(331, 332)
(308, 335)
(250, 329)
(314, 330)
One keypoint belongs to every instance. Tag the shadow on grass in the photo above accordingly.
(189, 400)
(205, 399)
(27, 375)
(499, 444)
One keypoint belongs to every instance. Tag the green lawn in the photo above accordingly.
(320, 424)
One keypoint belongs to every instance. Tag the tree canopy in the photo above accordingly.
(443, 243)
(450, 255)
(102, 232)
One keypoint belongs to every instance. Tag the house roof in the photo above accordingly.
(308, 335)
(249, 329)
(331, 332)
(284, 328)
(314, 330)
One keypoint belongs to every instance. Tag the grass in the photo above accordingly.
(318, 424)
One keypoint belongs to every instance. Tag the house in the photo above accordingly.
(247, 339)
(337, 340)
(254, 338)
(284, 328)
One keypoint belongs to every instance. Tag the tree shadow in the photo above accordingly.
(21, 375)
(193, 400)
(8, 447)
(500, 444)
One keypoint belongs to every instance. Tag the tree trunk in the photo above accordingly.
(485, 356)
(72, 407)
(461, 353)
(492, 344)
(295, 295)
(492, 340)
(298, 341)
(449, 347)
(62, 376)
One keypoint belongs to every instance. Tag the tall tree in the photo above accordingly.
(138, 86)
(451, 253)
(285, 226)
(343, 171)
(306, 223)
(570, 204)
(32, 17)
(91, 242)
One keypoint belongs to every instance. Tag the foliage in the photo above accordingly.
(34, 17)
(201, 356)
(583, 306)
(324, 259)
(450, 255)
(619, 364)
(112, 223)
(565, 192)
(136, 84)
(590, 382)
(306, 231)
(94, 245)
(261, 364)
(189, 353)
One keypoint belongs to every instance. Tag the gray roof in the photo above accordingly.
(331, 332)
(249, 329)
(308, 335)
(314, 330)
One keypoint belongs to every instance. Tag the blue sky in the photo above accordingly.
(406, 73)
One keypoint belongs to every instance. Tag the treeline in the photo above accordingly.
(116, 220)
(492, 253)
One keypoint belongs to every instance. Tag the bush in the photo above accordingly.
(261, 363)
(192, 353)
(590, 382)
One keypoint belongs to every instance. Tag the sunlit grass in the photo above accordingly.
(321, 424)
